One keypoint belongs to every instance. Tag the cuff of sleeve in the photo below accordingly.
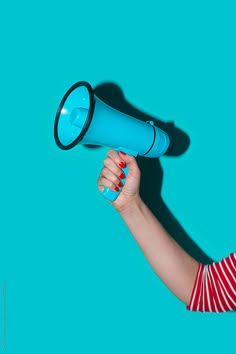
(190, 306)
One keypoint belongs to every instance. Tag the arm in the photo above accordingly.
(205, 288)
(209, 288)
(171, 263)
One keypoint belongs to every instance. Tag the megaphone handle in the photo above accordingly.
(112, 195)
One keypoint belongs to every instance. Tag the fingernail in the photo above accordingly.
(116, 189)
(122, 176)
(120, 184)
(122, 164)
(123, 153)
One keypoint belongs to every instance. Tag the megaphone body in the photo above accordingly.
(83, 118)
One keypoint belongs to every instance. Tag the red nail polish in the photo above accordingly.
(122, 176)
(123, 153)
(116, 189)
(120, 184)
(122, 164)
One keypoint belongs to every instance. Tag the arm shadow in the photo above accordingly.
(151, 170)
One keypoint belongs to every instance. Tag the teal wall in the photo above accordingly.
(76, 282)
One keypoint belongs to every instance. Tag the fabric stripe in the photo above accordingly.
(195, 292)
(228, 282)
(215, 293)
(214, 288)
(222, 288)
(210, 298)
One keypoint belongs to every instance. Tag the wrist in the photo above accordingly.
(130, 206)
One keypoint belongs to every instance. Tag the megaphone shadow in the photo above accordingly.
(151, 169)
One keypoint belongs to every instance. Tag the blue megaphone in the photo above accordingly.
(83, 118)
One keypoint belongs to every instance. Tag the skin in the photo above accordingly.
(176, 268)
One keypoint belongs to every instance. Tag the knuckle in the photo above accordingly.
(106, 161)
(113, 178)
(110, 184)
(100, 188)
(112, 154)
(109, 153)
(104, 171)
(116, 180)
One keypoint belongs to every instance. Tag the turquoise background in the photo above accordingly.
(76, 282)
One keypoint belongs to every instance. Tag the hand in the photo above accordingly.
(111, 177)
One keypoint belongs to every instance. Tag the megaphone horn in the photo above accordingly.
(83, 118)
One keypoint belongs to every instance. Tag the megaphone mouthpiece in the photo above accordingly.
(78, 117)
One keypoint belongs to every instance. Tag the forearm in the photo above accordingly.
(170, 262)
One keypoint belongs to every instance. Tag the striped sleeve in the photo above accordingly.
(214, 289)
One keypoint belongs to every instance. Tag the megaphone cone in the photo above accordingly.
(83, 118)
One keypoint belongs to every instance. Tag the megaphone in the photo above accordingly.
(83, 118)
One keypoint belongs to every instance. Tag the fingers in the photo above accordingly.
(131, 163)
(104, 182)
(112, 175)
(116, 158)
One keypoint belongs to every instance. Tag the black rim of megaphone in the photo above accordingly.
(88, 120)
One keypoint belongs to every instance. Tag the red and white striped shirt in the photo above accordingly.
(215, 287)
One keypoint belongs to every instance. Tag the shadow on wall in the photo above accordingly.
(151, 169)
